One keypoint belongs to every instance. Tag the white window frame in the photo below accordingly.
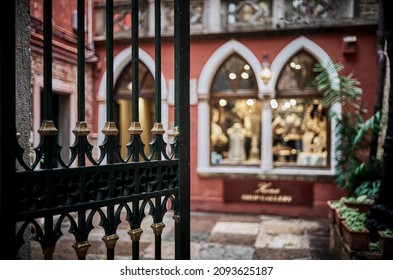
(265, 93)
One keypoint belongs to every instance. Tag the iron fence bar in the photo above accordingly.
(111, 230)
(7, 128)
(47, 100)
(157, 28)
(110, 148)
(81, 59)
(135, 229)
(135, 61)
(81, 136)
(182, 121)
(48, 130)
(109, 61)
(158, 215)
(135, 146)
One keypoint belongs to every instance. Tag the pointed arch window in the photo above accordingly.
(123, 104)
(235, 115)
(300, 123)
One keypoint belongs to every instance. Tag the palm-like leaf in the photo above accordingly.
(350, 129)
(337, 90)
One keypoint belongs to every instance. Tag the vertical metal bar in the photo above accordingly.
(135, 61)
(81, 60)
(81, 116)
(7, 129)
(110, 251)
(157, 26)
(182, 121)
(109, 60)
(47, 102)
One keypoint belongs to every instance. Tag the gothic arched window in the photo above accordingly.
(300, 121)
(235, 115)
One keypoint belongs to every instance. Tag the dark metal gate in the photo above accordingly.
(52, 190)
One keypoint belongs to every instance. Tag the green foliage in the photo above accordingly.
(363, 199)
(373, 246)
(387, 233)
(353, 174)
(353, 218)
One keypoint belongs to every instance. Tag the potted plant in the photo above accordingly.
(362, 203)
(333, 205)
(386, 241)
(354, 231)
(356, 171)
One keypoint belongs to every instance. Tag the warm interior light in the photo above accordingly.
(222, 102)
(265, 74)
(244, 75)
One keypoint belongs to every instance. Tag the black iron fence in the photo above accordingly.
(53, 189)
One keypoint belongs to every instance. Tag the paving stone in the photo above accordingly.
(195, 248)
(281, 226)
(236, 239)
(199, 237)
(214, 251)
(282, 241)
(167, 251)
(239, 218)
(203, 223)
(283, 254)
(236, 228)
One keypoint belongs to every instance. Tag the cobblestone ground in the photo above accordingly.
(215, 236)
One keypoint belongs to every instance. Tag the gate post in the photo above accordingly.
(7, 129)
(182, 121)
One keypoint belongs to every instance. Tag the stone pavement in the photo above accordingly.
(217, 236)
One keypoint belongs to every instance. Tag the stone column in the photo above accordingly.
(23, 93)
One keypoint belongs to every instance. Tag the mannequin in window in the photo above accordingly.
(218, 138)
(237, 136)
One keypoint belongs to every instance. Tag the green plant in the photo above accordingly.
(362, 199)
(354, 220)
(387, 233)
(374, 246)
(355, 172)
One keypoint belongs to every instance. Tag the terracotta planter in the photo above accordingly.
(339, 222)
(356, 240)
(385, 244)
(362, 207)
(332, 212)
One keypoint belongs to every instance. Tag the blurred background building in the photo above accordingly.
(261, 139)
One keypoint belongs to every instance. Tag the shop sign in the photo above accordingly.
(281, 192)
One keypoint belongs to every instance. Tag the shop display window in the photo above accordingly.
(299, 132)
(299, 118)
(235, 111)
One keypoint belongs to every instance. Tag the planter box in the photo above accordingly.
(339, 221)
(362, 207)
(332, 211)
(356, 240)
(385, 244)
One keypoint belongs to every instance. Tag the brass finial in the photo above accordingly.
(110, 240)
(81, 248)
(47, 128)
(158, 129)
(110, 129)
(135, 128)
(81, 129)
(135, 234)
(157, 228)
